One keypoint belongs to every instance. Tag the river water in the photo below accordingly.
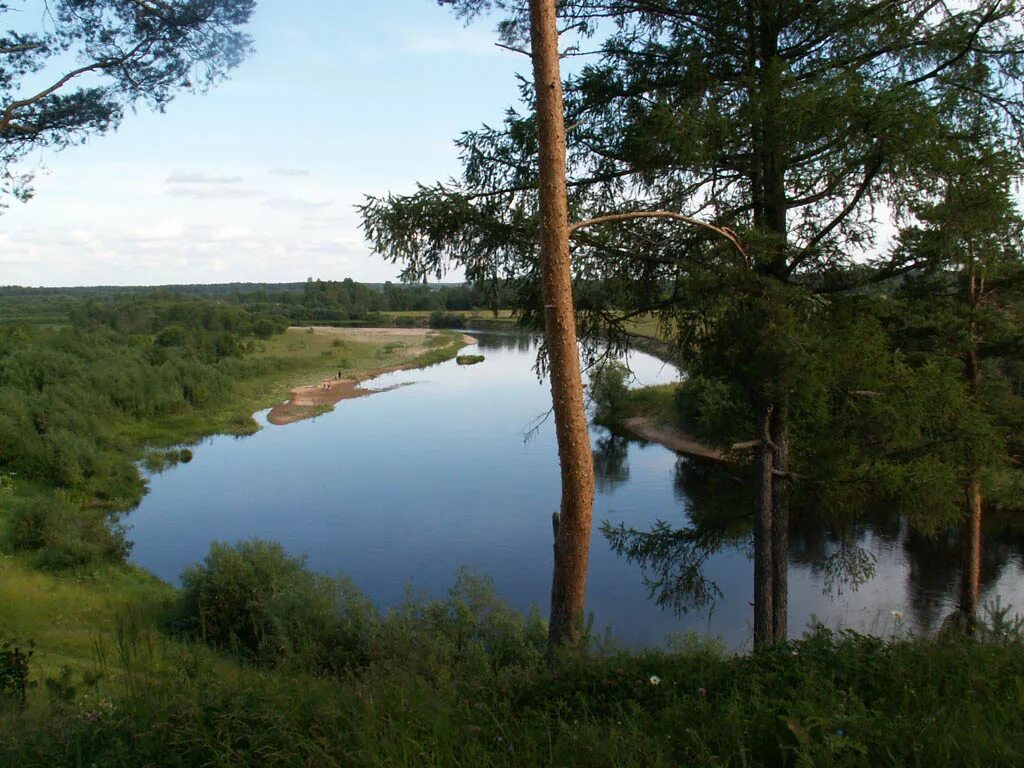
(400, 489)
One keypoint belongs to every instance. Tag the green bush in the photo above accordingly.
(441, 319)
(14, 671)
(610, 393)
(252, 597)
(63, 536)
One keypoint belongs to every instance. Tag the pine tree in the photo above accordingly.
(784, 127)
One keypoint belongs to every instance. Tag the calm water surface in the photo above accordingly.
(460, 468)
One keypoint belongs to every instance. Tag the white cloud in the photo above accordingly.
(214, 191)
(201, 178)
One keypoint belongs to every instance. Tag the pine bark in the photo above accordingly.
(970, 567)
(780, 523)
(764, 571)
(573, 523)
(970, 585)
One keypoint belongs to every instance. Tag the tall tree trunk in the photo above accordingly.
(780, 523)
(764, 572)
(770, 207)
(572, 526)
(970, 561)
(970, 585)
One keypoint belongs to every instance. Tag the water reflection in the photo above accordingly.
(716, 521)
(514, 341)
(611, 462)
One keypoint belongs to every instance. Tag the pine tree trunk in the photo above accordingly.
(970, 584)
(572, 527)
(970, 561)
(780, 523)
(764, 615)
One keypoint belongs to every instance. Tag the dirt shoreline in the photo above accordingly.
(310, 400)
(672, 438)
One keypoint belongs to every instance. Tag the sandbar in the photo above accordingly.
(313, 399)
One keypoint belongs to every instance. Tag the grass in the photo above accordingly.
(66, 615)
(656, 402)
(437, 690)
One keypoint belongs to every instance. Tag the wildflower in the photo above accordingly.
(897, 615)
(655, 680)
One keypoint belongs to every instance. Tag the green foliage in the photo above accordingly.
(714, 410)
(75, 72)
(14, 671)
(831, 699)
(609, 392)
(442, 319)
(469, 359)
(61, 535)
(254, 598)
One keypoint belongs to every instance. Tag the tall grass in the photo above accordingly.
(462, 682)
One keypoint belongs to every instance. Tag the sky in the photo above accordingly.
(256, 181)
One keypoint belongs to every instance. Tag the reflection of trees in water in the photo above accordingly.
(611, 462)
(672, 558)
(717, 512)
(516, 341)
(843, 555)
(933, 569)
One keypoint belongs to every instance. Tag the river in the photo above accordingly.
(459, 468)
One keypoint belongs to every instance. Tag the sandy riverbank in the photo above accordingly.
(672, 438)
(312, 399)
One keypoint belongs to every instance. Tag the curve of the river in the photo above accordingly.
(401, 489)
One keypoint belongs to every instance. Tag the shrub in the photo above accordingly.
(469, 359)
(469, 635)
(62, 536)
(610, 393)
(441, 319)
(252, 597)
(14, 669)
(264, 328)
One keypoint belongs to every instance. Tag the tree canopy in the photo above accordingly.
(70, 68)
(795, 132)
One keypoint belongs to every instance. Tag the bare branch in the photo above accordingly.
(513, 49)
(724, 232)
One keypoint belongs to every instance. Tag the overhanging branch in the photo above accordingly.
(724, 232)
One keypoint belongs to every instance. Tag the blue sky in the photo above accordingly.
(256, 180)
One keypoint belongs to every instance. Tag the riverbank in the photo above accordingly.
(655, 430)
(420, 347)
(649, 414)
(462, 681)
